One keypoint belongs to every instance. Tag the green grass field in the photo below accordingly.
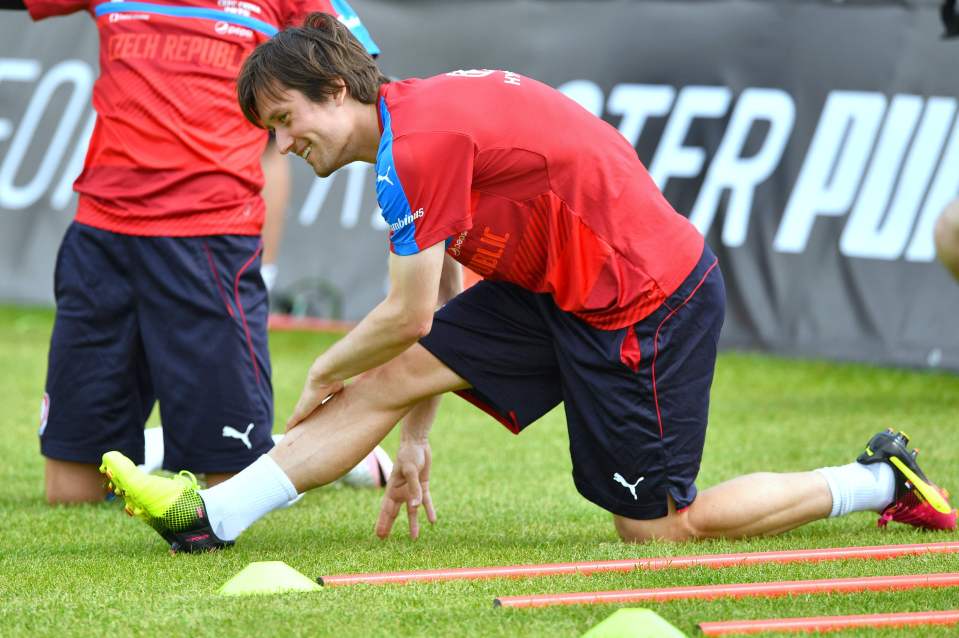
(501, 499)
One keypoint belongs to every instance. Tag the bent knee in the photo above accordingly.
(675, 527)
(66, 482)
(391, 385)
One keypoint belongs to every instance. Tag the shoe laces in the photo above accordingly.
(187, 478)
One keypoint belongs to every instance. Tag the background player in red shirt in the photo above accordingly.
(596, 294)
(159, 294)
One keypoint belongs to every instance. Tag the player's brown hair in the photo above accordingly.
(316, 59)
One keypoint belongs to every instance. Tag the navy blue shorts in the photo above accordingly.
(179, 320)
(636, 399)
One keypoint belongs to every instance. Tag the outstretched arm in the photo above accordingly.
(410, 481)
(390, 328)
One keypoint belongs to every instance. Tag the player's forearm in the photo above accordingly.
(419, 421)
(382, 335)
(17, 5)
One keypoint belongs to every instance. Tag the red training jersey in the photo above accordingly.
(171, 153)
(526, 186)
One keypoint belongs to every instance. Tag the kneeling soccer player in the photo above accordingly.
(597, 294)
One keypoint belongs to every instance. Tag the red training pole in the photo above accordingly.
(829, 623)
(738, 590)
(876, 552)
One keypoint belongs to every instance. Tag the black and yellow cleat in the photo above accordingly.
(918, 501)
(171, 506)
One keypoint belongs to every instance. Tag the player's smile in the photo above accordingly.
(319, 132)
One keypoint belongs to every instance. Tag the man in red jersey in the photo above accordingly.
(596, 294)
(159, 294)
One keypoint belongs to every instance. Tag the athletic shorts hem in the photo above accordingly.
(476, 400)
(73, 454)
(473, 394)
(642, 512)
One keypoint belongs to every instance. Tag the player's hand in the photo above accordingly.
(409, 483)
(315, 393)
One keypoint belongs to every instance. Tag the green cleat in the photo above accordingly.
(171, 506)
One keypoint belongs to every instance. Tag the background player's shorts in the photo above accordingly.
(181, 320)
(636, 399)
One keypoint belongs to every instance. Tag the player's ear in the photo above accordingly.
(341, 92)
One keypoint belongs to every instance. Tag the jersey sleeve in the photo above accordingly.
(299, 9)
(351, 19)
(423, 185)
(40, 9)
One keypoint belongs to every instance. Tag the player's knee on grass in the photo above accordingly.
(675, 526)
(67, 482)
(947, 237)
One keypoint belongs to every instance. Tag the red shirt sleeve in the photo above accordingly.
(429, 201)
(40, 9)
(297, 10)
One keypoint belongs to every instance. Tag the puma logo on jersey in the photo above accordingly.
(629, 486)
(385, 177)
(233, 433)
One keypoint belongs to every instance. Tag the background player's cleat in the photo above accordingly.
(373, 471)
(918, 501)
(171, 506)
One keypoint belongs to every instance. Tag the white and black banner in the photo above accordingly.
(813, 142)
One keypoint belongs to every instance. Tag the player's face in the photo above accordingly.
(319, 132)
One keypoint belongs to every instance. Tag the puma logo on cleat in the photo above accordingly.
(233, 433)
(629, 486)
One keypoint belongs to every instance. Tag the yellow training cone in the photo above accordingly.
(634, 623)
(267, 577)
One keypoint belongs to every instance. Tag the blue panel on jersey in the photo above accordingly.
(349, 17)
(265, 28)
(390, 194)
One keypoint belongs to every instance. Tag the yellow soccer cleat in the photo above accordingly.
(171, 506)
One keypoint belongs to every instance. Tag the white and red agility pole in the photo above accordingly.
(737, 590)
(830, 623)
(667, 562)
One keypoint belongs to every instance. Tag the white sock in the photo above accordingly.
(152, 450)
(859, 488)
(238, 502)
(269, 273)
(296, 499)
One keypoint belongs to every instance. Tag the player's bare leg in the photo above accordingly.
(215, 478)
(335, 438)
(751, 505)
(320, 449)
(885, 478)
(68, 482)
(947, 238)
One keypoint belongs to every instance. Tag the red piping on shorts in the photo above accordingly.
(630, 353)
(512, 424)
(236, 296)
(659, 416)
(216, 279)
